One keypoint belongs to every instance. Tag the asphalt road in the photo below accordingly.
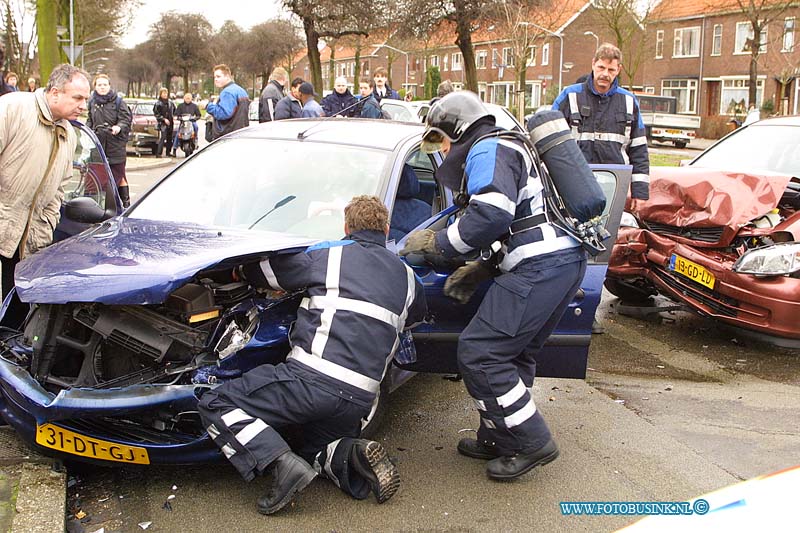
(673, 407)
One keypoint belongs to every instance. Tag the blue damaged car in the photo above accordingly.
(135, 316)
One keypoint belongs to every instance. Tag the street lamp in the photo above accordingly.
(596, 39)
(93, 52)
(397, 50)
(561, 50)
(90, 41)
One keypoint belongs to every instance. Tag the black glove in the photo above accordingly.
(463, 283)
(421, 242)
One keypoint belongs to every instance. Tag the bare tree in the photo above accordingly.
(267, 44)
(335, 19)
(181, 41)
(759, 13)
(18, 23)
(525, 25)
(228, 46)
(625, 19)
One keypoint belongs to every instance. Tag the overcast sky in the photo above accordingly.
(245, 13)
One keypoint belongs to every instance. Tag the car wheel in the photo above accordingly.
(188, 151)
(680, 144)
(371, 424)
(628, 292)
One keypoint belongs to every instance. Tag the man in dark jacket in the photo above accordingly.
(110, 119)
(187, 107)
(290, 106)
(381, 88)
(272, 94)
(164, 110)
(359, 297)
(540, 270)
(341, 101)
(368, 105)
(606, 120)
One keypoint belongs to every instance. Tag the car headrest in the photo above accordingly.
(409, 184)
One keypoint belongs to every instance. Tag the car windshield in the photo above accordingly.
(773, 147)
(268, 185)
(142, 109)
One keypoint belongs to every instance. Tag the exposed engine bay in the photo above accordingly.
(191, 337)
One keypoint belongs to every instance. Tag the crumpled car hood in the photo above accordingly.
(134, 261)
(703, 198)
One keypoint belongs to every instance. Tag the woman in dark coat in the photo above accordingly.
(110, 119)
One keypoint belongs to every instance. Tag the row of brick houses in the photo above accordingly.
(695, 50)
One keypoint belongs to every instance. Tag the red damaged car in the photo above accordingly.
(722, 235)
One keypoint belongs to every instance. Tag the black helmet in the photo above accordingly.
(452, 115)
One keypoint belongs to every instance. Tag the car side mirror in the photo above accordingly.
(86, 210)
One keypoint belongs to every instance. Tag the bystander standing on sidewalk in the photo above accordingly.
(231, 112)
(311, 107)
(164, 110)
(110, 119)
(32, 187)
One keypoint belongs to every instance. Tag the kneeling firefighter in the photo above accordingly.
(359, 296)
(538, 271)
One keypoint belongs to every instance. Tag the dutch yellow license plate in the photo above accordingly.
(64, 440)
(691, 270)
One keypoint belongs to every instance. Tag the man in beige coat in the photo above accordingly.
(37, 145)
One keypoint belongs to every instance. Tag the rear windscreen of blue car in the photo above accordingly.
(268, 185)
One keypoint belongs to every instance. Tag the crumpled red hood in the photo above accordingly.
(701, 197)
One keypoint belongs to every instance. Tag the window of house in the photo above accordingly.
(546, 54)
(788, 34)
(365, 68)
(687, 42)
(659, 44)
(685, 91)
(455, 61)
(532, 56)
(649, 89)
(735, 93)
(434, 61)
(744, 35)
(445, 58)
(508, 57)
(480, 59)
(716, 40)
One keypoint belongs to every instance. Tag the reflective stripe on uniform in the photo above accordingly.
(228, 450)
(454, 237)
(629, 111)
(536, 248)
(332, 286)
(638, 141)
(602, 136)
(334, 370)
(272, 279)
(480, 404)
(531, 189)
(250, 431)
(496, 199)
(573, 109)
(232, 417)
(488, 423)
(520, 150)
(213, 432)
(527, 411)
(512, 396)
(329, 456)
(356, 306)
(640, 177)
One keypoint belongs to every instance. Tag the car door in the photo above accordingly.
(91, 179)
(566, 352)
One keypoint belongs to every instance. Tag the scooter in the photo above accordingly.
(187, 135)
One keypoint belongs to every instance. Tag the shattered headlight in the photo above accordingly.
(628, 220)
(775, 260)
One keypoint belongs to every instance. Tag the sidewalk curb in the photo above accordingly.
(41, 500)
(150, 164)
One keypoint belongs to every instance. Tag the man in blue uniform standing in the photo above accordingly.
(359, 296)
(540, 269)
(606, 121)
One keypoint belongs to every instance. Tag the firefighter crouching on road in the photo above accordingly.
(539, 272)
(359, 296)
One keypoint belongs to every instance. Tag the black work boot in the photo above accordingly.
(368, 458)
(290, 475)
(507, 468)
(476, 449)
(124, 195)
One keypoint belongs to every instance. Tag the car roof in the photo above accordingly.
(374, 133)
(793, 120)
